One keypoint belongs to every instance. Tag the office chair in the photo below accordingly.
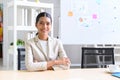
(93, 57)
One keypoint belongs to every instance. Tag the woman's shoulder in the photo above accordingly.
(31, 40)
(55, 40)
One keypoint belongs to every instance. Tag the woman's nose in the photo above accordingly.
(44, 25)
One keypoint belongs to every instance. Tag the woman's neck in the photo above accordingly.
(43, 37)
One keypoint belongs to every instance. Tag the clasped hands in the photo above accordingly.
(62, 61)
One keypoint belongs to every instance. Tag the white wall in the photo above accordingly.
(74, 53)
(91, 23)
(1, 1)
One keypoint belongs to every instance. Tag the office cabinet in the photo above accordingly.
(20, 22)
(93, 57)
(21, 59)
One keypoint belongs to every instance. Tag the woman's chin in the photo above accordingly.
(45, 33)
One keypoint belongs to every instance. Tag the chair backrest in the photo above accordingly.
(94, 57)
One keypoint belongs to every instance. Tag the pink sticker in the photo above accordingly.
(81, 19)
(94, 16)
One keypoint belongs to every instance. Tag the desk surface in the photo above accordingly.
(72, 74)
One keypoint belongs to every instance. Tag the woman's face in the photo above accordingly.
(44, 25)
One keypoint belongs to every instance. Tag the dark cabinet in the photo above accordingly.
(1, 55)
(93, 57)
(21, 59)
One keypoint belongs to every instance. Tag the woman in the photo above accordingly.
(44, 52)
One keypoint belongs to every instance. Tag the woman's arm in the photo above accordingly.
(61, 61)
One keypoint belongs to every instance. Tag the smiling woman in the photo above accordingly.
(44, 52)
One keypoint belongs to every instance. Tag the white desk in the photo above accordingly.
(72, 74)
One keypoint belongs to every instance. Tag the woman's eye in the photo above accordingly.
(48, 23)
(41, 23)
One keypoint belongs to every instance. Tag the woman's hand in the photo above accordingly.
(62, 61)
